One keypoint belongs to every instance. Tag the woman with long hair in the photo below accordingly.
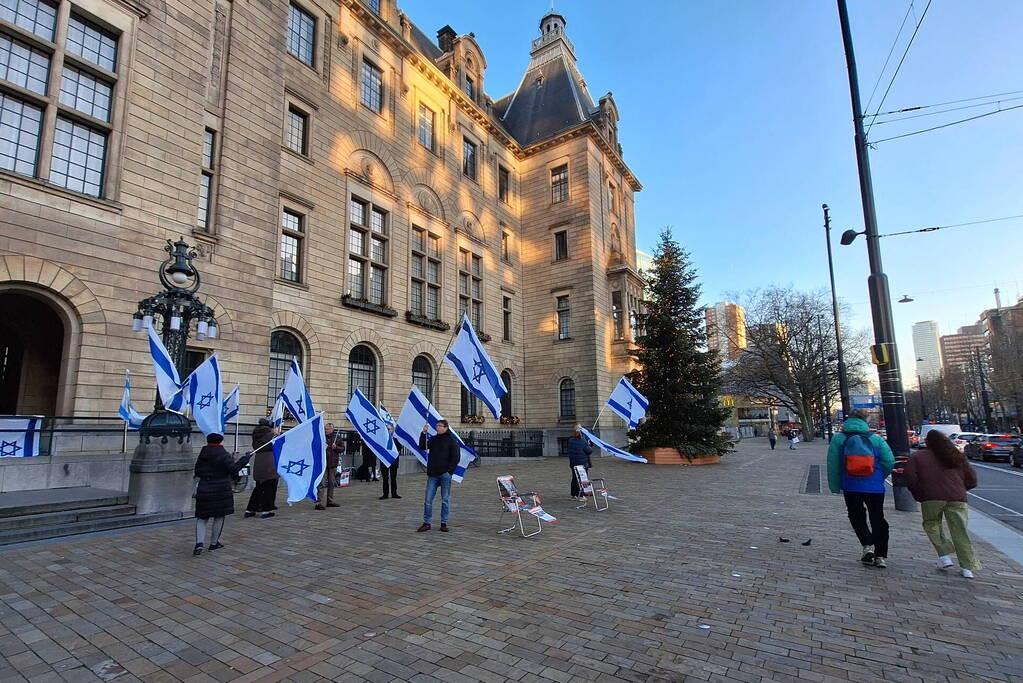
(939, 476)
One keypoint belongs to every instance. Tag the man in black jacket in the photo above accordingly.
(444, 454)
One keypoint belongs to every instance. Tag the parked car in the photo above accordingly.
(992, 447)
(914, 440)
(960, 440)
(946, 429)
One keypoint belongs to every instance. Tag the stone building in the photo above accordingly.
(350, 186)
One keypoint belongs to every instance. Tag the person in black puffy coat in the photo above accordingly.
(214, 498)
(578, 454)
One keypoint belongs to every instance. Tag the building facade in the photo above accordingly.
(927, 348)
(959, 349)
(726, 329)
(351, 189)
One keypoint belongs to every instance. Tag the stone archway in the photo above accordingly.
(32, 336)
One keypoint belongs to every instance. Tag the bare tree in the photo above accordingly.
(790, 355)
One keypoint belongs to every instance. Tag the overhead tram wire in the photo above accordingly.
(901, 62)
(944, 125)
(945, 111)
(888, 58)
(942, 104)
(953, 225)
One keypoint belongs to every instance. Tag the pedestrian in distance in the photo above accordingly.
(772, 438)
(578, 454)
(443, 454)
(389, 475)
(264, 471)
(335, 447)
(939, 476)
(858, 463)
(793, 440)
(214, 496)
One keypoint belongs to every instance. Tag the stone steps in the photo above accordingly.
(43, 531)
(14, 522)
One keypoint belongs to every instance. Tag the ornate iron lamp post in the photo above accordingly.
(177, 307)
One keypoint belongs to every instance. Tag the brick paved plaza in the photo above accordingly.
(354, 594)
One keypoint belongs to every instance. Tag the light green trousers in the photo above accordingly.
(955, 515)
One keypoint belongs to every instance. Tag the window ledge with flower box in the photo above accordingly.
(473, 419)
(423, 321)
(510, 420)
(369, 307)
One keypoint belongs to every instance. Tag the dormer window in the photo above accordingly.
(470, 87)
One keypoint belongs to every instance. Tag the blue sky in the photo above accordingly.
(736, 119)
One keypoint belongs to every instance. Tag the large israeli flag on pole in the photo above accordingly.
(608, 448)
(475, 369)
(630, 405)
(296, 396)
(371, 427)
(127, 410)
(205, 397)
(300, 457)
(168, 382)
(19, 437)
(417, 412)
(232, 405)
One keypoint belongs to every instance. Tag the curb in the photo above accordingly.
(1003, 537)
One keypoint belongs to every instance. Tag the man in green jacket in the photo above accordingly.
(863, 491)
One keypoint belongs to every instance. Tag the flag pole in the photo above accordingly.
(433, 390)
(124, 440)
(598, 416)
(236, 433)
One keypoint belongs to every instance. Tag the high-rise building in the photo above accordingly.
(927, 347)
(957, 349)
(726, 328)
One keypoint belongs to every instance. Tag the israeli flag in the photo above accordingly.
(608, 448)
(300, 458)
(277, 414)
(474, 368)
(19, 437)
(168, 382)
(371, 427)
(232, 405)
(386, 417)
(417, 412)
(205, 397)
(296, 396)
(630, 405)
(127, 410)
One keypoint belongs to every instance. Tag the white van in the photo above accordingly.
(947, 430)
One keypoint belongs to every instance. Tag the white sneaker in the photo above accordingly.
(945, 561)
(967, 574)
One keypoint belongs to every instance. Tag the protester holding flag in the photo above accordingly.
(264, 471)
(335, 447)
(442, 459)
(578, 454)
(214, 497)
(389, 473)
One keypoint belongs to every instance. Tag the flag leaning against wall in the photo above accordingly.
(19, 437)
(131, 417)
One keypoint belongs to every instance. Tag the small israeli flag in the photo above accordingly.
(205, 397)
(300, 457)
(127, 410)
(295, 395)
(608, 448)
(630, 405)
(277, 414)
(232, 405)
(417, 412)
(168, 382)
(475, 369)
(386, 417)
(19, 437)
(371, 427)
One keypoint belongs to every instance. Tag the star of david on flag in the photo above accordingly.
(204, 391)
(19, 437)
(127, 410)
(300, 458)
(608, 448)
(629, 404)
(367, 421)
(417, 412)
(295, 395)
(474, 368)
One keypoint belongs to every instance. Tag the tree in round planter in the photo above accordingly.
(680, 378)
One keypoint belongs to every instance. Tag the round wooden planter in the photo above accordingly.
(671, 456)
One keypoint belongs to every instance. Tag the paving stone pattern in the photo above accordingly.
(353, 594)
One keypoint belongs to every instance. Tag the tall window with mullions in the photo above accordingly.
(566, 391)
(284, 348)
(422, 376)
(362, 372)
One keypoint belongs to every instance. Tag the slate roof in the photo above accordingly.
(547, 101)
(424, 44)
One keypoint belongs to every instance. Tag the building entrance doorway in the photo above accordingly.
(31, 345)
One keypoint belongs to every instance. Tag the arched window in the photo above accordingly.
(422, 376)
(284, 348)
(362, 372)
(469, 403)
(506, 400)
(616, 240)
(567, 396)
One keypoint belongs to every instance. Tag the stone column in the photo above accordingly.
(162, 466)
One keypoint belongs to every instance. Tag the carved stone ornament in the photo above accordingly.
(426, 202)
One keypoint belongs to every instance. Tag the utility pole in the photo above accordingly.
(886, 354)
(843, 378)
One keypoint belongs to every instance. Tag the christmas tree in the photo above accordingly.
(678, 375)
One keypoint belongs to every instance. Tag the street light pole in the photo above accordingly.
(843, 378)
(886, 354)
(923, 407)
